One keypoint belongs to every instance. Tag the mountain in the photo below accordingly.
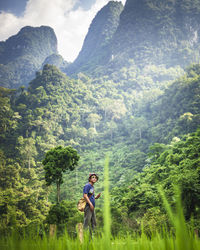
(141, 34)
(149, 32)
(23, 54)
(95, 50)
(158, 32)
(56, 60)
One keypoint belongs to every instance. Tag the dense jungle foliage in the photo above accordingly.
(145, 130)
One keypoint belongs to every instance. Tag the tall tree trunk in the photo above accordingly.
(52, 230)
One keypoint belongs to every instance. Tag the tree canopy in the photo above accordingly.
(57, 161)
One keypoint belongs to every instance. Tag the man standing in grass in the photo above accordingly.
(88, 194)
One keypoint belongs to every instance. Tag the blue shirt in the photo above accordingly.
(89, 189)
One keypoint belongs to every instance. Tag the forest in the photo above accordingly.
(145, 150)
(135, 123)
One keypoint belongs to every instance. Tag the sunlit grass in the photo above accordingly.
(63, 243)
(181, 239)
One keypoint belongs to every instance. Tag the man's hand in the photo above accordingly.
(91, 207)
(98, 195)
(89, 202)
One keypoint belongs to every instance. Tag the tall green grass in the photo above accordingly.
(107, 215)
(180, 239)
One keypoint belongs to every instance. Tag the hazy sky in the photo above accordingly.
(70, 20)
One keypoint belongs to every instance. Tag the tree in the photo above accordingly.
(113, 108)
(27, 150)
(93, 119)
(56, 162)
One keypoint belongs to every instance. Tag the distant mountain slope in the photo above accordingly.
(23, 54)
(158, 32)
(56, 60)
(95, 50)
(178, 110)
(149, 32)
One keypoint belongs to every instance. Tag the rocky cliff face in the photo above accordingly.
(23, 54)
(96, 46)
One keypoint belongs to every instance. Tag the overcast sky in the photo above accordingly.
(70, 20)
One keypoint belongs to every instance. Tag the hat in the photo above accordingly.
(91, 174)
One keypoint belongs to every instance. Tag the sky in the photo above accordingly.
(70, 20)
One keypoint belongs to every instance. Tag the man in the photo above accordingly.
(88, 194)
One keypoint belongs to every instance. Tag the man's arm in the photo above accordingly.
(88, 201)
(98, 195)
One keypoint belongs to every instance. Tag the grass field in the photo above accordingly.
(180, 239)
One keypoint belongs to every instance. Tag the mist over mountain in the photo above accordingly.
(23, 54)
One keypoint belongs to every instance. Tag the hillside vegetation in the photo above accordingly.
(94, 116)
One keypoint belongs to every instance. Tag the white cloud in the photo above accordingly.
(70, 25)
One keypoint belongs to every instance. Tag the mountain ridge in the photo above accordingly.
(21, 55)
